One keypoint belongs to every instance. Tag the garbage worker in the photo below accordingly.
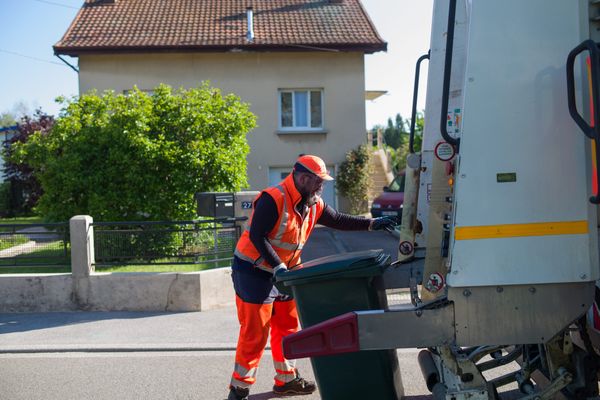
(282, 220)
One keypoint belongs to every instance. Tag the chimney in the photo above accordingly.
(250, 18)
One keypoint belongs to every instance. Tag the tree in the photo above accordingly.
(19, 110)
(139, 156)
(419, 127)
(396, 136)
(395, 133)
(7, 119)
(23, 189)
(400, 154)
(353, 179)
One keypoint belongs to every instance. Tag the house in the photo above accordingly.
(299, 63)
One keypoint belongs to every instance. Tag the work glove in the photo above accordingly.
(381, 223)
(278, 270)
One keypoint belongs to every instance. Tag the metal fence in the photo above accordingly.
(34, 244)
(209, 242)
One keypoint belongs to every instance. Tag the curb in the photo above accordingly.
(118, 348)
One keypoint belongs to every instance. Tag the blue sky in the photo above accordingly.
(32, 75)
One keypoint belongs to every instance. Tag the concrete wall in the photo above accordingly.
(36, 293)
(256, 78)
(87, 290)
(194, 291)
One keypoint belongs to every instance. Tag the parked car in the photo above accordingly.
(389, 203)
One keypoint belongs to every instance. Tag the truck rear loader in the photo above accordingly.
(499, 238)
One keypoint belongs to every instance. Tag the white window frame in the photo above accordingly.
(295, 128)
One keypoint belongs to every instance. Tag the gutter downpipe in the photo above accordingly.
(74, 68)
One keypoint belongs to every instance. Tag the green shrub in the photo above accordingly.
(135, 242)
(353, 179)
(139, 156)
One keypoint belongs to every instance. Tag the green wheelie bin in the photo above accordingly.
(328, 287)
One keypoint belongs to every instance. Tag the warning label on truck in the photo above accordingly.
(444, 151)
(454, 122)
(405, 248)
(435, 282)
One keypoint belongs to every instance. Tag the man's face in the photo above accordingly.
(311, 188)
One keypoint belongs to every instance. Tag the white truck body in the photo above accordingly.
(506, 223)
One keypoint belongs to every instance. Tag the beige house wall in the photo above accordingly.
(256, 78)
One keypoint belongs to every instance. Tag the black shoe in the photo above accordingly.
(236, 393)
(298, 386)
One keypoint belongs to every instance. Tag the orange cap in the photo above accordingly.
(314, 165)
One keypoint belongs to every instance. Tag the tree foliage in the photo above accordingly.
(396, 132)
(399, 155)
(353, 178)
(18, 111)
(140, 156)
(7, 119)
(22, 188)
(396, 136)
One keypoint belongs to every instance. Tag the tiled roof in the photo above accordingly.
(219, 25)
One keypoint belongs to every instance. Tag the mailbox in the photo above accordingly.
(216, 204)
(244, 205)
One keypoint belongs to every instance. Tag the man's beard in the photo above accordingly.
(313, 198)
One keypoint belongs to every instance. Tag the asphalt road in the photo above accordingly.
(200, 375)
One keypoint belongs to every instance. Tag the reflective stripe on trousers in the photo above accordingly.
(242, 377)
(285, 371)
(256, 320)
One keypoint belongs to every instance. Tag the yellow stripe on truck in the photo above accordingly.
(520, 230)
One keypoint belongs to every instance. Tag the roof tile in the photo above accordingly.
(219, 25)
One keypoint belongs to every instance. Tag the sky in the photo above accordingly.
(32, 77)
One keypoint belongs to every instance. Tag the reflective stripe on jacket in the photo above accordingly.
(290, 232)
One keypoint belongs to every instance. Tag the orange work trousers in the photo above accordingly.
(278, 318)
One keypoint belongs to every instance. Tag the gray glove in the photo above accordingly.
(381, 223)
(279, 270)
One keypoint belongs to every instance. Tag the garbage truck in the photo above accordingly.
(499, 238)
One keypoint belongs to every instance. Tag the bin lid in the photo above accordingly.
(336, 264)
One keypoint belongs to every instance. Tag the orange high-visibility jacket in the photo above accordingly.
(289, 233)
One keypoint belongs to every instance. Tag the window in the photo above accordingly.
(397, 184)
(301, 109)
